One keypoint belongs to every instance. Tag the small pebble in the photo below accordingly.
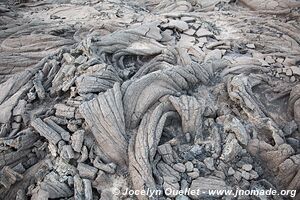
(238, 175)
(247, 167)
(250, 46)
(188, 137)
(179, 167)
(269, 60)
(209, 162)
(193, 175)
(293, 79)
(253, 174)
(289, 72)
(231, 171)
(245, 175)
(189, 166)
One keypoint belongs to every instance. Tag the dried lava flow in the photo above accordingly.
(204, 97)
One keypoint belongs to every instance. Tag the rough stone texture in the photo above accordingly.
(109, 129)
(206, 184)
(104, 96)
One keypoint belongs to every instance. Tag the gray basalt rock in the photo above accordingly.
(170, 81)
(46, 131)
(206, 184)
(154, 95)
(106, 112)
(54, 187)
(231, 124)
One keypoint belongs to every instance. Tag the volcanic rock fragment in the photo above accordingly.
(87, 171)
(206, 184)
(105, 116)
(77, 140)
(64, 111)
(46, 131)
(156, 95)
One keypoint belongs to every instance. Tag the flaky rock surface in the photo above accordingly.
(105, 96)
